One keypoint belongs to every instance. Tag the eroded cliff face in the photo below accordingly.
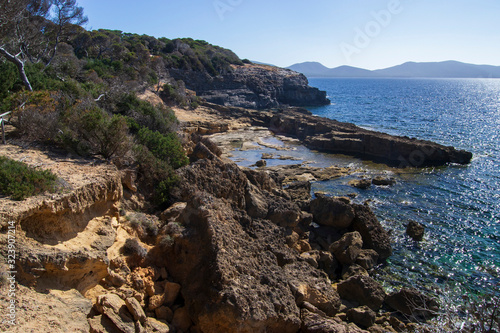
(253, 86)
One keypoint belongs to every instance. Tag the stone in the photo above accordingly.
(172, 213)
(332, 212)
(299, 190)
(102, 324)
(383, 181)
(362, 316)
(373, 234)
(156, 301)
(363, 290)
(182, 320)
(135, 308)
(128, 178)
(260, 163)
(347, 249)
(412, 302)
(172, 291)
(362, 184)
(367, 259)
(116, 310)
(256, 202)
(316, 323)
(415, 230)
(302, 246)
(283, 212)
(156, 326)
(164, 313)
(353, 270)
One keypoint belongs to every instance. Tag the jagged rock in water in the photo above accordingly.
(415, 230)
(360, 183)
(331, 212)
(412, 302)
(374, 235)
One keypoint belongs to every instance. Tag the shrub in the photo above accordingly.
(133, 248)
(20, 181)
(166, 147)
(99, 134)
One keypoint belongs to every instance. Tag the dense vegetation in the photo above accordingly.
(20, 181)
(84, 95)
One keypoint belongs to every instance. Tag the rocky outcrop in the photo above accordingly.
(415, 230)
(253, 86)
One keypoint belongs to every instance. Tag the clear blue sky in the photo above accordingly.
(363, 33)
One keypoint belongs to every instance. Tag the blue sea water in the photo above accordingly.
(458, 204)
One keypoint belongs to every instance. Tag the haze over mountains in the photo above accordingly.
(445, 69)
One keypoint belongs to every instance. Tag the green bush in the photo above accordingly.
(97, 133)
(166, 147)
(20, 181)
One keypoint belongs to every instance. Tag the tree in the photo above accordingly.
(28, 31)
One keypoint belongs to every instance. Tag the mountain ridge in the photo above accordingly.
(443, 69)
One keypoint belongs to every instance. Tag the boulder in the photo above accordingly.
(363, 290)
(283, 212)
(353, 270)
(135, 308)
(415, 230)
(360, 183)
(256, 202)
(316, 323)
(412, 302)
(260, 163)
(373, 234)
(299, 191)
(383, 181)
(116, 310)
(362, 316)
(367, 259)
(347, 249)
(156, 326)
(332, 212)
(237, 274)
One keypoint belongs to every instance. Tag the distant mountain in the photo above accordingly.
(444, 69)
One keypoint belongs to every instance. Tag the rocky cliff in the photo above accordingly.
(253, 86)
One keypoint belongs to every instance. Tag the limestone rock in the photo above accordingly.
(316, 323)
(360, 183)
(362, 316)
(374, 235)
(252, 86)
(164, 313)
(256, 203)
(412, 302)
(353, 270)
(367, 258)
(135, 308)
(236, 273)
(116, 310)
(347, 249)
(332, 212)
(300, 190)
(415, 230)
(383, 181)
(362, 290)
(156, 326)
(172, 291)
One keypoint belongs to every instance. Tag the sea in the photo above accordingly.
(459, 205)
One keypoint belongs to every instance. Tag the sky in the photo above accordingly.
(370, 34)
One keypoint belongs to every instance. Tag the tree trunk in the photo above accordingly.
(20, 67)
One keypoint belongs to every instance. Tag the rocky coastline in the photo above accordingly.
(239, 249)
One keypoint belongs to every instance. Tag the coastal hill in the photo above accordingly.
(444, 69)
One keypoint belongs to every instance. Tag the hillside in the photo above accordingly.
(445, 69)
